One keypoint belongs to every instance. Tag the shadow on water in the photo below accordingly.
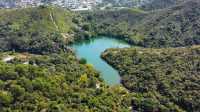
(84, 42)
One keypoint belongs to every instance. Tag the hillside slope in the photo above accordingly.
(34, 29)
(160, 4)
(162, 79)
(117, 23)
(56, 83)
(175, 26)
(49, 29)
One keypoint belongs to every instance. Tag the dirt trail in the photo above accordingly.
(53, 21)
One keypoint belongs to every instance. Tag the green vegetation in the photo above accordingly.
(165, 79)
(160, 4)
(37, 30)
(44, 29)
(161, 79)
(116, 23)
(137, 10)
(173, 27)
(54, 82)
(57, 83)
(82, 61)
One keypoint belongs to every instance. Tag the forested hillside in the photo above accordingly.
(160, 4)
(162, 79)
(37, 30)
(39, 71)
(117, 23)
(56, 83)
(48, 29)
(144, 4)
(171, 27)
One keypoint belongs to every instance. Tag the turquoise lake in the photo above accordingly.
(91, 50)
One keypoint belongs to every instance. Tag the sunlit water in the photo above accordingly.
(91, 51)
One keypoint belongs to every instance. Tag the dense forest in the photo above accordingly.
(163, 79)
(37, 30)
(160, 4)
(172, 27)
(45, 29)
(56, 83)
(44, 74)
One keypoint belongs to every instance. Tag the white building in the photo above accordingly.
(26, 3)
(81, 4)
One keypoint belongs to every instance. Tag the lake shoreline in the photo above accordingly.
(92, 49)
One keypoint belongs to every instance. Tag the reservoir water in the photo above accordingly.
(91, 50)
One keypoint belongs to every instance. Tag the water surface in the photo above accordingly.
(91, 50)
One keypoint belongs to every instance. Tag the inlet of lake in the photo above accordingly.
(91, 51)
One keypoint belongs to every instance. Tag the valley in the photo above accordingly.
(143, 58)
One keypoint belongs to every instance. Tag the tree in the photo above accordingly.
(82, 61)
(5, 98)
(83, 78)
